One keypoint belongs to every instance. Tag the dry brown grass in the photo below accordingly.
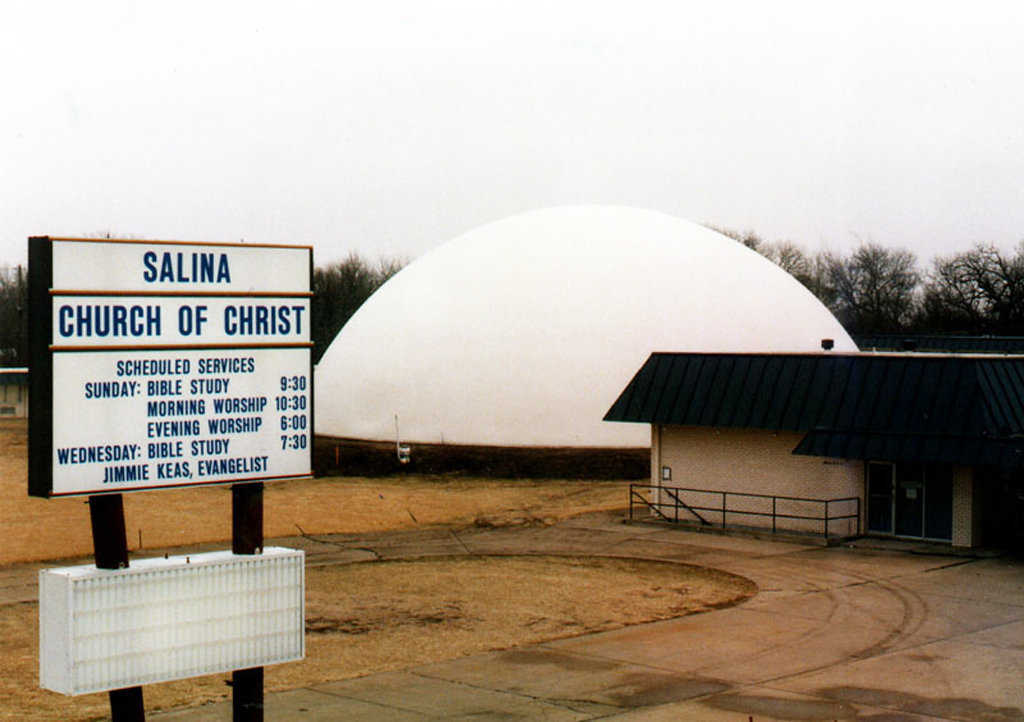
(376, 616)
(366, 617)
(37, 529)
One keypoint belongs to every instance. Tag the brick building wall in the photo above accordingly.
(963, 507)
(756, 462)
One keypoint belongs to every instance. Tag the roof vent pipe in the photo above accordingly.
(827, 344)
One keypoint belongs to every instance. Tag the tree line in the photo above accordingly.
(871, 290)
(879, 290)
(13, 316)
(339, 289)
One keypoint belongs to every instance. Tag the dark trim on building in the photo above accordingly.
(929, 408)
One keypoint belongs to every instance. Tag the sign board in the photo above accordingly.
(174, 618)
(162, 364)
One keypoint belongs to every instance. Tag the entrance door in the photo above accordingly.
(880, 481)
(910, 500)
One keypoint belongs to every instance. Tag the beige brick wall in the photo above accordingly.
(757, 462)
(964, 513)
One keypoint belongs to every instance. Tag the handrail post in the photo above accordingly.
(653, 498)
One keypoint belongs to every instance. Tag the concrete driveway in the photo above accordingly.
(834, 634)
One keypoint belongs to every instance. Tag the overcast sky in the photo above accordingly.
(391, 127)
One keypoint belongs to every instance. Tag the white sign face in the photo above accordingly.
(169, 618)
(142, 419)
(91, 321)
(177, 364)
(86, 265)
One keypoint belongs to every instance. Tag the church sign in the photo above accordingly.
(164, 364)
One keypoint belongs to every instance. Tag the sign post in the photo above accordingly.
(166, 364)
(247, 538)
(110, 549)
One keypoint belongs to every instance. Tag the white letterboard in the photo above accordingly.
(173, 364)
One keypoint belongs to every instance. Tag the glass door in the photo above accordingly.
(880, 488)
(909, 500)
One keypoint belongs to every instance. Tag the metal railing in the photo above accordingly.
(668, 502)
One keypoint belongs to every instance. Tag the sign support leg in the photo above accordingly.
(247, 538)
(110, 547)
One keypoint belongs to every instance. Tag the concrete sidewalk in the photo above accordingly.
(833, 634)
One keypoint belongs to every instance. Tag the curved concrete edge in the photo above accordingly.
(834, 633)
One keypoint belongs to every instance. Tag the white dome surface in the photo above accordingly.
(523, 332)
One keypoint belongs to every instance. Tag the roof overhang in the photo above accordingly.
(952, 408)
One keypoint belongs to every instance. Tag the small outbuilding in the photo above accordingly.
(909, 445)
(14, 392)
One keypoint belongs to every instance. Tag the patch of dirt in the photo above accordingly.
(367, 620)
(362, 617)
(376, 616)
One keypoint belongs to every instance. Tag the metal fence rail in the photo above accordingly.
(669, 502)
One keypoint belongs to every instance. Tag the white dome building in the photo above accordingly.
(523, 332)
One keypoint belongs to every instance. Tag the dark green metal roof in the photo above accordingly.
(956, 409)
(933, 448)
(941, 343)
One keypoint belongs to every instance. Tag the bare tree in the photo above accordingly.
(811, 271)
(340, 289)
(748, 238)
(875, 288)
(791, 258)
(13, 317)
(977, 291)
